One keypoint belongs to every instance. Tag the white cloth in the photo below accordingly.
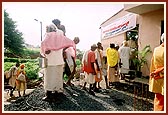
(124, 53)
(12, 74)
(98, 57)
(89, 78)
(55, 58)
(53, 80)
(53, 74)
(85, 57)
(70, 53)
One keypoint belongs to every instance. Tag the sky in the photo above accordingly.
(81, 19)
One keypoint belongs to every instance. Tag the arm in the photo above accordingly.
(93, 64)
(93, 67)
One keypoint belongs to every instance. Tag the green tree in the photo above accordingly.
(13, 40)
(79, 54)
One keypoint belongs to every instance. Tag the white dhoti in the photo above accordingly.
(53, 80)
(90, 78)
(125, 65)
(53, 74)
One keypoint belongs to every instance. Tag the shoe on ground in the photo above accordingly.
(84, 88)
(92, 93)
(99, 87)
(69, 84)
(97, 90)
(107, 87)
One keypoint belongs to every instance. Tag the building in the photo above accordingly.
(145, 22)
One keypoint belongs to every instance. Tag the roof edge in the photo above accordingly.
(111, 17)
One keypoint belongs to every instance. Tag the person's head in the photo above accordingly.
(62, 27)
(116, 46)
(22, 66)
(76, 40)
(162, 38)
(112, 45)
(99, 45)
(93, 47)
(57, 22)
(51, 28)
(17, 64)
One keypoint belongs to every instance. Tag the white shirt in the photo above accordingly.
(55, 58)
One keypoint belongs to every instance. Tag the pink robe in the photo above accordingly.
(55, 41)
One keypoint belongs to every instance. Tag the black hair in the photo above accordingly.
(98, 43)
(112, 45)
(17, 64)
(56, 22)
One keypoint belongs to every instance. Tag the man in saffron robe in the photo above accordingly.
(99, 59)
(156, 80)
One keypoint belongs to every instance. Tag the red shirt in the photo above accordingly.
(90, 59)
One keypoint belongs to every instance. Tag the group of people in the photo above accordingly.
(96, 64)
(115, 64)
(17, 79)
(59, 53)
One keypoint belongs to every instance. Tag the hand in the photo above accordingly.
(41, 56)
(94, 73)
(47, 52)
(152, 74)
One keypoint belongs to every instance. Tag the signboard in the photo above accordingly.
(119, 26)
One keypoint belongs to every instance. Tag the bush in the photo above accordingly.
(78, 63)
(14, 60)
(8, 65)
(31, 66)
(29, 53)
(32, 69)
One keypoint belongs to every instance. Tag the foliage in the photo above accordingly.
(8, 65)
(31, 66)
(79, 54)
(20, 60)
(29, 53)
(133, 34)
(6, 59)
(78, 63)
(141, 60)
(32, 69)
(13, 40)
